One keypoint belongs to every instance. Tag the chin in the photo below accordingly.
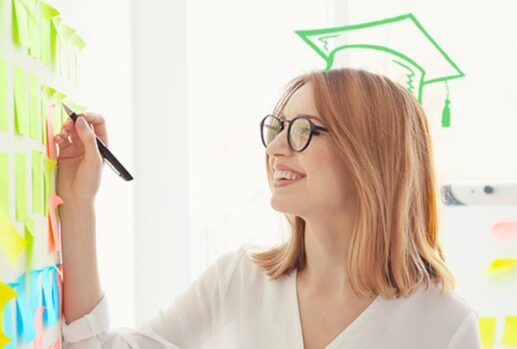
(283, 206)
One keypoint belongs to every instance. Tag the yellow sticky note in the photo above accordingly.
(34, 107)
(500, 266)
(4, 183)
(47, 13)
(487, 331)
(12, 243)
(510, 331)
(37, 182)
(21, 122)
(21, 188)
(20, 23)
(49, 166)
(3, 95)
(29, 237)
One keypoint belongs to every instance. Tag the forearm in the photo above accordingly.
(81, 284)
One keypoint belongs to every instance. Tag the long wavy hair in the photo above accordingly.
(382, 136)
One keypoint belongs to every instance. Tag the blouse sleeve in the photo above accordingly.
(189, 322)
(467, 335)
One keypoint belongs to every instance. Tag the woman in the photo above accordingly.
(350, 163)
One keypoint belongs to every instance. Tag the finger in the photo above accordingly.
(99, 125)
(70, 145)
(89, 141)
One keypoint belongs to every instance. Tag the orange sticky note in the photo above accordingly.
(510, 331)
(54, 233)
(487, 331)
(51, 146)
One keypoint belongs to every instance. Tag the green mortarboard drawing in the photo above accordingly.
(398, 46)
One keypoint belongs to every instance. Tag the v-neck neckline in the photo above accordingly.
(361, 318)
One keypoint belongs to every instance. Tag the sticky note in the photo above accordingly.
(12, 244)
(21, 188)
(21, 122)
(38, 324)
(20, 23)
(29, 237)
(47, 13)
(33, 30)
(4, 183)
(54, 234)
(9, 329)
(48, 166)
(50, 315)
(4, 98)
(487, 331)
(35, 289)
(510, 331)
(7, 293)
(500, 267)
(24, 315)
(505, 231)
(51, 146)
(34, 107)
(37, 182)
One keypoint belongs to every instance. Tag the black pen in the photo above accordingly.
(106, 154)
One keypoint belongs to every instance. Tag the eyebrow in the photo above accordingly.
(282, 116)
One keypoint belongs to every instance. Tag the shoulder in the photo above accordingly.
(237, 264)
(447, 313)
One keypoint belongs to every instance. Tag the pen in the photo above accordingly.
(106, 154)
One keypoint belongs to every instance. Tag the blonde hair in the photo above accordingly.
(381, 134)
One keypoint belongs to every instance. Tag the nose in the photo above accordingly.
(279, 145)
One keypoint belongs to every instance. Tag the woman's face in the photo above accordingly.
(325, 186)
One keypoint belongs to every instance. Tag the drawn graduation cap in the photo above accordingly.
(399, 46)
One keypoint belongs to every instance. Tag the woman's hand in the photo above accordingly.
(80, 164)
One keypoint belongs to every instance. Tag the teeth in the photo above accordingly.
(286, 175)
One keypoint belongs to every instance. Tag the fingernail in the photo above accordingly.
(82, 123)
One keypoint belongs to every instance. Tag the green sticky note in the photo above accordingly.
(54, 22)
(32, 21)
(34, 107)
(59, 111)
(21, 188)
(49, 169)
(29, 237)
(4, 183)
(21, 122)
(20, 23)
(47, 12)
(3, 95)
(37, 182)
(44, 108)
(510, 331)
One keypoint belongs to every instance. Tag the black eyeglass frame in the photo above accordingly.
(315, 130)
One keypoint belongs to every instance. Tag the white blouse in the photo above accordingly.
(233, 304)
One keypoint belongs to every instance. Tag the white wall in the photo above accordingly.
(107, 89)
(161, 148)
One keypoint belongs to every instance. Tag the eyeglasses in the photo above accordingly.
(299, 131)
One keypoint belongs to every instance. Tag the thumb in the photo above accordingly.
(88, 138)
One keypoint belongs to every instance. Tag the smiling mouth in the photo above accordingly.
(285, 182)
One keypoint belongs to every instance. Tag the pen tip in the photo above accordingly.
(67, 109)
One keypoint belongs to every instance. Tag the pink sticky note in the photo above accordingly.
(51, 146)
(56, 344)
(54, 233)
(505, 231)
(38, 321)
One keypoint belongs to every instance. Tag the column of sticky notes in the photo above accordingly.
(501, 268)
(39, 58)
